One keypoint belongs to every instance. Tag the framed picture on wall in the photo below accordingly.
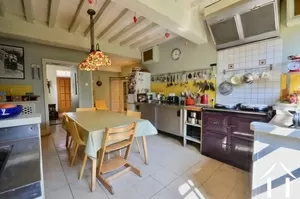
(11, 62)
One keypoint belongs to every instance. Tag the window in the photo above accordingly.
(63, 73)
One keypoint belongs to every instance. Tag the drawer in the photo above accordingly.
(215, 145)
(215, 122)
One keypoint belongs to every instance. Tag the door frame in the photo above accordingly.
(57, 89)
(46, 100)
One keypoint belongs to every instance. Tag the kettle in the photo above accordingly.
(296, 119)
(204, 99)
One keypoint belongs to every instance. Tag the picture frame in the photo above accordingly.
(12, 62)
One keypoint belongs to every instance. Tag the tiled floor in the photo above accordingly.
(174, 172)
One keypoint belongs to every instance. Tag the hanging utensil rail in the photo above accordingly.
(270, 67)
(186, 71)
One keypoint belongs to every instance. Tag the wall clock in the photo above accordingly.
(176, 54)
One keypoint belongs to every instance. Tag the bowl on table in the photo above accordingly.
(9, 110)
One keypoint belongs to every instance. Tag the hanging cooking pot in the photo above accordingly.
(99, 83)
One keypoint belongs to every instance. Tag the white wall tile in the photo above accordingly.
(246, 57)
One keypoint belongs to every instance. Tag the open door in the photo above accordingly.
(64, 94)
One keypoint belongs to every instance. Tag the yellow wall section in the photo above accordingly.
(162, 87)
(16, 89)
(294, 83)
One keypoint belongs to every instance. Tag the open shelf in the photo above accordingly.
(193, 139)
(197, 125)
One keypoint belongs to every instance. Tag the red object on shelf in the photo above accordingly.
(204, 99)
(167, 35)
(189, 101)
(134, 19)
(293, 71)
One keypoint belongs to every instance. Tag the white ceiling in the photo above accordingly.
(66, 14)
(71, 17)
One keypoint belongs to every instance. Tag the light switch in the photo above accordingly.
(86, 84)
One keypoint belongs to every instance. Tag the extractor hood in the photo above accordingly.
(252, 21)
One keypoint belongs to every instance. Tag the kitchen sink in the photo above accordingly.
(4, 154)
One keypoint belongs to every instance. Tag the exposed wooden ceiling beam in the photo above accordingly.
(138, 33)
(144, 40)
(98, 15)
(156, 41)
(28, 10)
(120, 16)
(54, 4)
(126, 29)
(75, 22)
(2, 8)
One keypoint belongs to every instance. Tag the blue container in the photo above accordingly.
(10, 112)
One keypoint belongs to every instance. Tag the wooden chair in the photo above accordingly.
(85, 109)
(68, 135)
(101, 105)
(121, 138)
(77, 141)
(137, 115)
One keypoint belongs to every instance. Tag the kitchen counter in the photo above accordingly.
(275, 156)
(21, 173)
(235, 111)
(190, 107)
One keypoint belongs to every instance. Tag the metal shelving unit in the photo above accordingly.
(188, 125)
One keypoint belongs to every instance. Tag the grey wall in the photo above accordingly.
(34, 54)
(193, 56)
(103, 92)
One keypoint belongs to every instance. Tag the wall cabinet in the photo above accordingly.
(227, 137)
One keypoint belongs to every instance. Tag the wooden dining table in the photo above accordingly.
(92, 126)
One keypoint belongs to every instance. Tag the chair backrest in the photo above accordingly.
(85, 109)
(120, 137)
(65, 119)
(133, 114)
(73, 130)
(101, 105)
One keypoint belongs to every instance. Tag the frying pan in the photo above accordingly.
(225, 88)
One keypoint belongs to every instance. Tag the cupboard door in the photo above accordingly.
(215, 122)
(240, 125)
(215, 145)
(258, 21)
(225, 31)
(241, 152)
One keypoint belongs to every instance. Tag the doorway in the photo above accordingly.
(64, 98)
(118, 93)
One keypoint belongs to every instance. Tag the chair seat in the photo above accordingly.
(113, 164)
(117, 146)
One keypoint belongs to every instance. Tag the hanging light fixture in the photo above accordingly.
(96, 58)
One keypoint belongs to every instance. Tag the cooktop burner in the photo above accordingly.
(244, 107)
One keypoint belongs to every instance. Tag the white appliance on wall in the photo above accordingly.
(139, 82)
(150, 55)
(252, 21)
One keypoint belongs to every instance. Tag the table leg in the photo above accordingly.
(145, 149)
(94, 165)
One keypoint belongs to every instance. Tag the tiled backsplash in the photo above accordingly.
(245, 57)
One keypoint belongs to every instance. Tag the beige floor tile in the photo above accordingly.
(200, 172)
(164, 176)
(54, 180)
(81, 189)
(165, 194)
(148, 187)
(242, 189)
(221, 183)
(60, 193)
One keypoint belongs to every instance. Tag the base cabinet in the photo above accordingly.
(168, 120)
(227, 137)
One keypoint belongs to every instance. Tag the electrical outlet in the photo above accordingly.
(230, 66)
(262, 62)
